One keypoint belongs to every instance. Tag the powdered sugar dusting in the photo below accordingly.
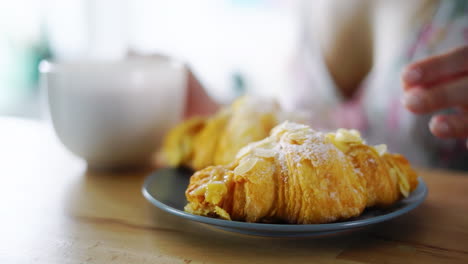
(296, 142)
(299, 142)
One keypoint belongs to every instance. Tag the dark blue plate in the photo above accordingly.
(165, 188)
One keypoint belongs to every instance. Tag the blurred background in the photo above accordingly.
(220, 39)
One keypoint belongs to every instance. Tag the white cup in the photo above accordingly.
(114, 114)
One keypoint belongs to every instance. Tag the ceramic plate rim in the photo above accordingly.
(423, 191)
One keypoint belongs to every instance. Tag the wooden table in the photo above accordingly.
(55, 211)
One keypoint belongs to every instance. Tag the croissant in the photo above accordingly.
(300, 176)
(201, 142)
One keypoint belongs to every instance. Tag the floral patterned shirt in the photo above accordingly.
(376, 108)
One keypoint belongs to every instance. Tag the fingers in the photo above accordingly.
(450, 126)
(445, 95)
(436, 68)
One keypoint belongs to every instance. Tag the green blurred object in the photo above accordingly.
(238, 83)
(30, 58)
(19, 80)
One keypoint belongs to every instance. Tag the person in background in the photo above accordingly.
(395, 70)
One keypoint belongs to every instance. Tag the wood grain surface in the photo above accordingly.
(54, 210)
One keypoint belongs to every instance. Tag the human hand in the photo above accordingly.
(197, 102)
(436, 83)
